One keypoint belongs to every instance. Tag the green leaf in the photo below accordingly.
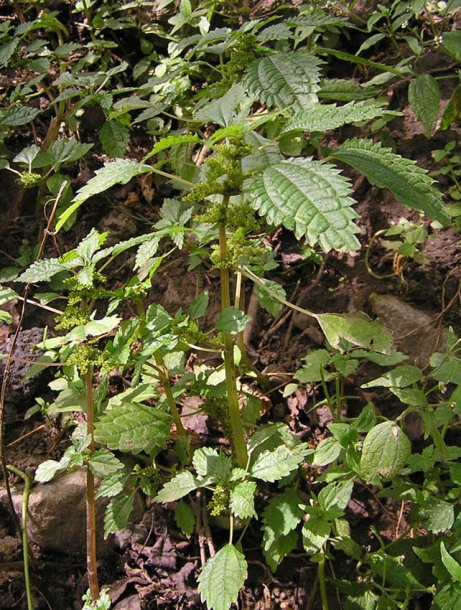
(281, 517)
(310, 198)
(27, 155)
(330, 116)
(266, 301)
(452, 42)
(114, 137)
(451, 564)
(48, 469)
(424, 98)
(179, 486)
(68, 150)
(199, 306)
(242, 500)
(285, 79)
(185, 518)
(7, 295)
(385, 451)
(7, 51)
(400, 377)
(232, 320)
(230, 109)
(18, 115)
(104, 462)
(94, 328)
(275, 465)
(356, 328)
(120, 171)
(316, 532)
(210, 463)
(222, 577)
(434, 514)
(133, 427)
(42, 270)
(117, 513)
(412, 186)
(314, 367)
(112, 485)
(326, 452)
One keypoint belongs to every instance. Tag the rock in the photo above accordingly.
(20, 387)
(415, 332)
(57, 515)
(129, 603)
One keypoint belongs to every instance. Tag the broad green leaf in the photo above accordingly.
(133, 427)
(267, 301)
(227, 110)
(210, 463)
(452, 43)
(7, 51)
(355, 328)
(185, 518)
(276, 547)
(385, 451)
(42, 270)
(345, 90)
(222, 577)
(315, 532)
(104, 462)
(48, 469)
(68, 150)
(171, 141)
(448, 598)
(451, 564)
(120, 171)
(7, 295)
(314, 367)
(367, 601)
(94, 328)
(232, 320)
(282, 513)
(452, 109)
(112, 485)
(330, 116)
(242, 500)
(326, 452)
(400, 377)
(199, 305)
(27, 155)
(275, 465)
(310, 198)
(434, 514)
(395, 573)
(18, 115)
(117, 513)
(424, 98)
(114, 137)
(412, 186)
(268, 437)
(285, 79)
(179, 486)
(336, 495)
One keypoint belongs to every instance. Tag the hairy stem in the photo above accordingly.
(238, 437)
(91, 561)
(25, 538)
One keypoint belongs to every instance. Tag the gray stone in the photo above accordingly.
(415, 332)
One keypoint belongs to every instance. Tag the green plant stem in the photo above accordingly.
(25, 538)
(238, 437)
(91, 560)
(322, 584)
(165, 379)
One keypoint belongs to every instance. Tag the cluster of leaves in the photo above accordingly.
(236, 117)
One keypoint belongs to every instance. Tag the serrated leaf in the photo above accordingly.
(330, 116)
(434, 514)
(310, 198)
(275, 465)
(283, 513)
(266, 301)
(232, 320)
(315, 532)
(326, 452)
(179, 486)
(27, 155)
(48, 469)
(356, 328)
(385, 451)
(450, 563)
(42, 270)
(227, 110)
(222, 577)
(68, 150)
(114, 137)
(210, 463)
(424, 98)
(133, 427)
(18, 115)
(285, 79)
(241, 502)
(117, 513)
(412, 186)
(7, 51)
(199, 305)
(400, 377)
(112, 485)
(104, 462)
(185, 518)
(120, 171)
(94, 328)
